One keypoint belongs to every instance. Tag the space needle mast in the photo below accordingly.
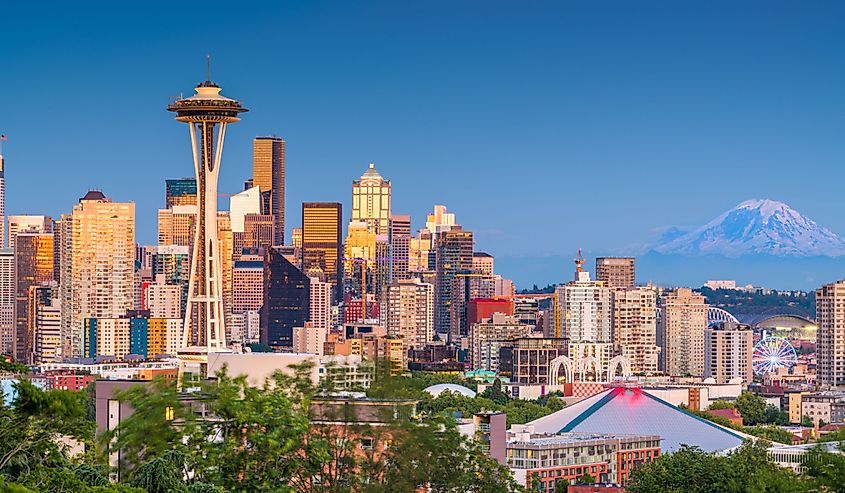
(207, 114)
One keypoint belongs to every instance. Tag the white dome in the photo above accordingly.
(437, 389)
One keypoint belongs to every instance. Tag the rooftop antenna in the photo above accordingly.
(208, 67)
(579, 262)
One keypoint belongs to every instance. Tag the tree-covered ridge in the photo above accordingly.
(755, 302)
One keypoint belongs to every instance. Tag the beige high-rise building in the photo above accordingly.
(371, 201)
(268, 174)
(489, 335)
(248, 281)
(98, 266)
(482, 263)
(47, 322)
(177, 225)
(727, 353)
(420, 249)
(616, 272)
(309, 339)
(224, 236)
(164, 300)
(682, 322)
(410, 312)
(635, 327)
(296, 237)
(320, 304)
(830, 338)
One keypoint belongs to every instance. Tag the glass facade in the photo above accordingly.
(286, 300)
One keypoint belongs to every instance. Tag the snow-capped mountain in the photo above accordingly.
(755, 227)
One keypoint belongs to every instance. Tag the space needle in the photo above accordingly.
(207, 114)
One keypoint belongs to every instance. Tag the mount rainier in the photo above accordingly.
(754, 227)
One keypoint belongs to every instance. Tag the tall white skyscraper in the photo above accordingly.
(320, 312)
(7, 300)
(583, 310)
(241, 204)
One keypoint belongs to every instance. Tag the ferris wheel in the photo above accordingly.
(772, 353)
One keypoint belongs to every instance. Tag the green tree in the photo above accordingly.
(561, 485)
(495, 393)
(806, 421)
(586, 478)
(720, 404)
(826, 470)
(690, 470)
(775, 416)
(31, 427)
(752, 407)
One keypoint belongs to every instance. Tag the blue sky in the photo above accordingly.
(544, 126)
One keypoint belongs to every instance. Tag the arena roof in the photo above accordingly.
(634, 411)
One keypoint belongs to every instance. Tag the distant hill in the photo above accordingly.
(742, 303)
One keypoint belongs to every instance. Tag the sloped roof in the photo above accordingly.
(371, 172)
(634, 411)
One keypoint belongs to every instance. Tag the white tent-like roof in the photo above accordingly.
(437, 389)
(632, 411)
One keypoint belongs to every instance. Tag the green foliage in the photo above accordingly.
(806, 421)
(826, 469)
(90, 475)
(752, 407)
(720, 404)
(739, 302)
(691, 470)
(30, 429)
(12, 367)
(538, 290)
(586, 478)
(264, 441)
(162, 474)
(775, 416)
(495, 393)
(150, 432)
(771, 433)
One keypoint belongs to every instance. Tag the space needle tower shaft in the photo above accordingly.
(207, 114)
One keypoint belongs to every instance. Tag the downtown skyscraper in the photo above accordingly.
(830, 317)
(371, 201)
(322, 243)
(33, 268)
(268, 174)
(453, 255)
(97, 265)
